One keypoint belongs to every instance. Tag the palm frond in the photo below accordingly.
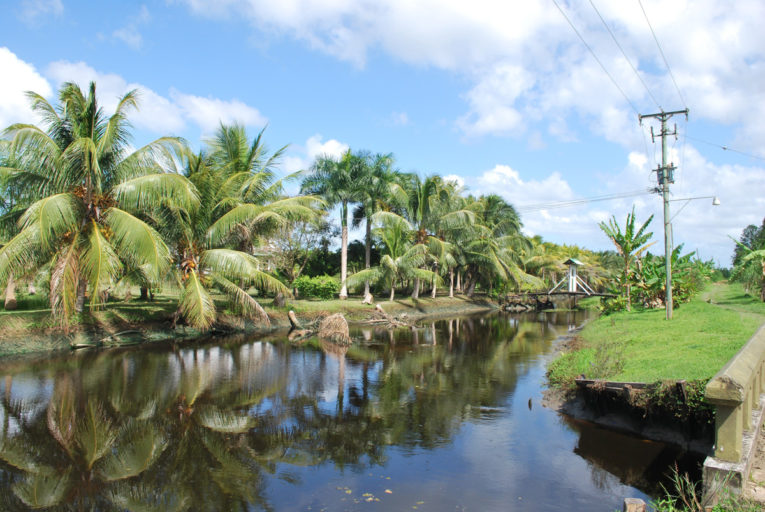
(18, 455)
(52, 217)
(99, 262)
(138, 243)
(196, 305)
(21, 253)
(241, 298)
(138, 497)
(158, 156)
(372, 275)
(95, 434)
(226, 422)
(139, 448)
(148, 191)
(240, 266)
(42, 491)
(64, 279)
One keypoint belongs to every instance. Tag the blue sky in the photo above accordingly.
(502, 96)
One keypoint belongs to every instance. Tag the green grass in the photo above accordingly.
(642, 346)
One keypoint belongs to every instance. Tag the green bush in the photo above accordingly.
(322, 287)
(610, 305)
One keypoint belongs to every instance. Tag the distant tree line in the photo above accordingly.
(86, 218)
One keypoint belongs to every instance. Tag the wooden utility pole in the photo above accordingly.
(665, 174)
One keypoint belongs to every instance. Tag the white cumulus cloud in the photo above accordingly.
(157, 113)
(525, 65)
(18, 77)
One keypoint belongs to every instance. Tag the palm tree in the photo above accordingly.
(381, 191)
(240, 201)
(91, 189)
(338, 181)
(630, 245)
(432, 210)
(493, 247)
(402, 259)
(87, 456)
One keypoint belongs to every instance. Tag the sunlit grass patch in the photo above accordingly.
(702, 336)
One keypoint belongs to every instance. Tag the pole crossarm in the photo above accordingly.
(663, 116)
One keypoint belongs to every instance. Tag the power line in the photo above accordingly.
(648, 90)
(574, 202)
(666, 63)
(724, 148)
(596, 57)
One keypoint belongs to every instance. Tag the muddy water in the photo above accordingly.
(443, 417)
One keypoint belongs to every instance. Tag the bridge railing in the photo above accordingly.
(735, 392)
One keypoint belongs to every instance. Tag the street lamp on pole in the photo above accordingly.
(669, 242)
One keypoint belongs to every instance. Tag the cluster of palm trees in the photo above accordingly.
(96, 215)
(426, 228)
(99, 214)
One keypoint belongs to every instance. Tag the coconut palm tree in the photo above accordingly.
(432, 210)
(630, 244)
(402, 260)
(493, 249)
(338, 181)
(382, 190)
(91, 188)
(213, 247)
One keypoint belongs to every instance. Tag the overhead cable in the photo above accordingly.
(666, 63)
(724, 148)
(575, 202)
(596, 58)
(613, 36)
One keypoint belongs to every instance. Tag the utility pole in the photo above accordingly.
(665, 174)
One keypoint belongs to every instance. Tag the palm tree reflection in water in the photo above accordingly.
(207, 427)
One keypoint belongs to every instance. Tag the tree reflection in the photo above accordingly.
(205, 428)
(122, 439)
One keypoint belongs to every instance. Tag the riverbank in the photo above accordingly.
(673, 359)
(634, 346)
(150, 321)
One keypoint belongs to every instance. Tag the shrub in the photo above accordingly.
(322, 287)
(610, 305)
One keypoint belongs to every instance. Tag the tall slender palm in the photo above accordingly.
(338, 181)
(630, 244)
(91, 189)
(381, 191)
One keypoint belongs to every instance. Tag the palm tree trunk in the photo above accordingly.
(10, 294)
(79, 303)
(344, 251)
(416, 289)
(392, 292)
(433, 290)
(459, 282)
(470, 287)
(367, 254)
(627, 284)
(451, 283)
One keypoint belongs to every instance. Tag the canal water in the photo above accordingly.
(443, 417)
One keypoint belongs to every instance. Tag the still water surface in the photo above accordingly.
(443, 417)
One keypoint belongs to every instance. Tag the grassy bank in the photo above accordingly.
(34, 330)
(642, 346)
